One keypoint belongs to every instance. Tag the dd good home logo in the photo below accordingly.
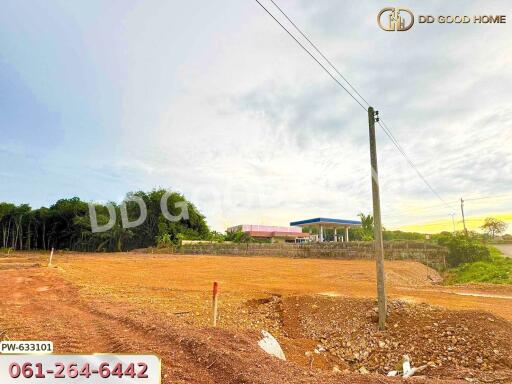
(395, 19)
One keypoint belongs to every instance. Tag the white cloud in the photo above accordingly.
(219, 103)
(258, 133)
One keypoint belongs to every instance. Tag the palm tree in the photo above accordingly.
(366, 225)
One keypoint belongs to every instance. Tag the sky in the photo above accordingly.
(214, 100)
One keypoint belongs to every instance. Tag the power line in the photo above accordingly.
(501, 196)
(438, 224)
(310, 54)
(496, 197)
(418, 210)
(386, 130)
(320, 52)
(395, 142)
(427, 216)
(424, 208)
(415, 210)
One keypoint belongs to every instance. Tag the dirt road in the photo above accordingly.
(161, 304)
(506, 249)
(37, 304)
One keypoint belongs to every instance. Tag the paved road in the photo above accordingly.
(505, 248)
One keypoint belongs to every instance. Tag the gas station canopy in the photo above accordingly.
(321, 223)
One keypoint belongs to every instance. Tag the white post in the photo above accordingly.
(335, 234)
(346, 233)
(51, 257)
(321, 234)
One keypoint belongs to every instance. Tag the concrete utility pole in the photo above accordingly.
(463, 218)
(379, 246)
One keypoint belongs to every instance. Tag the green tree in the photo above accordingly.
(6, 221)
(216, 237)
(66, 224)
(462, 249)
(493, 226)
(20, 213)
(366, 226)
(401, 235)
(239, 237)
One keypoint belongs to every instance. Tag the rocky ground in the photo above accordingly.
(98, 304)
(38, 305)
(469, 345)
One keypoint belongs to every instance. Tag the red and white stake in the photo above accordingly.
(215, 302)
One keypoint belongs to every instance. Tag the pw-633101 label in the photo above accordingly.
(24, 347)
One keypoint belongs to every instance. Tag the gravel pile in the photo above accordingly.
(475, 346)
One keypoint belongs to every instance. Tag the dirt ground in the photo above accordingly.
(161, 304)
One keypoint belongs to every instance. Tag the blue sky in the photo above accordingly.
(212, 99)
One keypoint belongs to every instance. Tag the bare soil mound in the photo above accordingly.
(161, 305)
(37, 304)
(469, 345)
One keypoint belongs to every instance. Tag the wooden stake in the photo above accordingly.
(51, 257)
(215, 302)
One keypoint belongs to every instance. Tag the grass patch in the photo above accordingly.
(496, 271)
(495, 252)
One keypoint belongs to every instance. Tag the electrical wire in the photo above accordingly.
(312, 56)
(413, 166)
(381, 123)
(501, 196)
(320, 52)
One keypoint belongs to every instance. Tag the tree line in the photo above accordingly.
(67, 225)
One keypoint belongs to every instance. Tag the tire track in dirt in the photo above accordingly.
(75, 326)
(224, 356)
(45, 307)
(124, 336)
(38, 304)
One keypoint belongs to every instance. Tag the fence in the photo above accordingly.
(429, 254)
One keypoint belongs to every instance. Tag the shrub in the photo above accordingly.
(400, 235)
(164, 241)
(6, 251)
(465, 250)
(498, 271)
(239, 237)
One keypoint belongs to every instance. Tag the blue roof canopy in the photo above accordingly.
(323, 220)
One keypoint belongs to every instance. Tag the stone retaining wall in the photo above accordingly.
(429, 254)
